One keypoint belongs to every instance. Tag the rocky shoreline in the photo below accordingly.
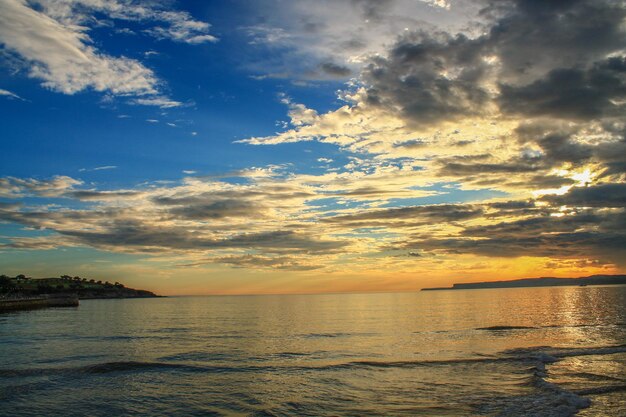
(23, 293)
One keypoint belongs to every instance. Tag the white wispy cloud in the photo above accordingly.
(10, 94)
(52, 39)
(102, 168)
(162, 102)
(174, 25)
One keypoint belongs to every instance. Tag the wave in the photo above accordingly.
(331, 335)
(120, 366)
(601, 390)
(559, 352)
(500, 328)
(539, 354)
(550, 326)
(550, 399)
(107, 367)
(546, 398)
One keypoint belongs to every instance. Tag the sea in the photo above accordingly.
(557, 351)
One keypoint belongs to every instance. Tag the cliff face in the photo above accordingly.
(539, 282)
(547, 282)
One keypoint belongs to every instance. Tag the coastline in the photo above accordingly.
(23, 293)
(537, 282)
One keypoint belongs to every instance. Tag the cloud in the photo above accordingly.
(267, 222)
(174, 25)
(289, 263)
(52, 39)
(431, 77)
(61, 57)
(526, 136)
(92, 195)
(410, 216)
(335, 70)
(584, 235)
(11, 187)
(335, 37)
(102, 168)
(162, 102)
(10, 95)
(217, 210)
(132, 236)
(601, 195)
(492, 106)
(299, 114)
(571, 93)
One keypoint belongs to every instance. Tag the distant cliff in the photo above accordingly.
(83, 288)
(538, 282)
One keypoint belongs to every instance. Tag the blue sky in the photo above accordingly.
(220, 102)
(311, 146)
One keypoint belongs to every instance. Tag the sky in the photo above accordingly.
(274, 146)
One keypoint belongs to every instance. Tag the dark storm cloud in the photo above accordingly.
(608, 246)
(101, 195)
(613, 157)
(409, 215)
(515, 208)
(539, 181)
(218, 210)
(411, 144)
(535, 225)
(600, 235)
(555, 140)
(9, 206)
(133, 235)
(551, 60)
(603, 195)
(335, 70)
(513, 205)
(273, 193)
(461, 169)
(372, 9)
(125, 230)
(254, 261)
(119, 229)
(60, 218)
(571, 93)
(249, 203)
(410, 80)
(522, 171)
(532, 38)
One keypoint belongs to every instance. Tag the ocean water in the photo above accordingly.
(497, 352)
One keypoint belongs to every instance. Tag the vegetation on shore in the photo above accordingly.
(23, 286)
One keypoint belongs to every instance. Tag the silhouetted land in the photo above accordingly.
(538, 282)
(83, 288)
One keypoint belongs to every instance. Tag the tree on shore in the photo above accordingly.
(6, 284)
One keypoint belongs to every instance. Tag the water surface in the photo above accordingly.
(522, 351)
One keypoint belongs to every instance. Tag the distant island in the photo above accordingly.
(65, 285)
(538, 282)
